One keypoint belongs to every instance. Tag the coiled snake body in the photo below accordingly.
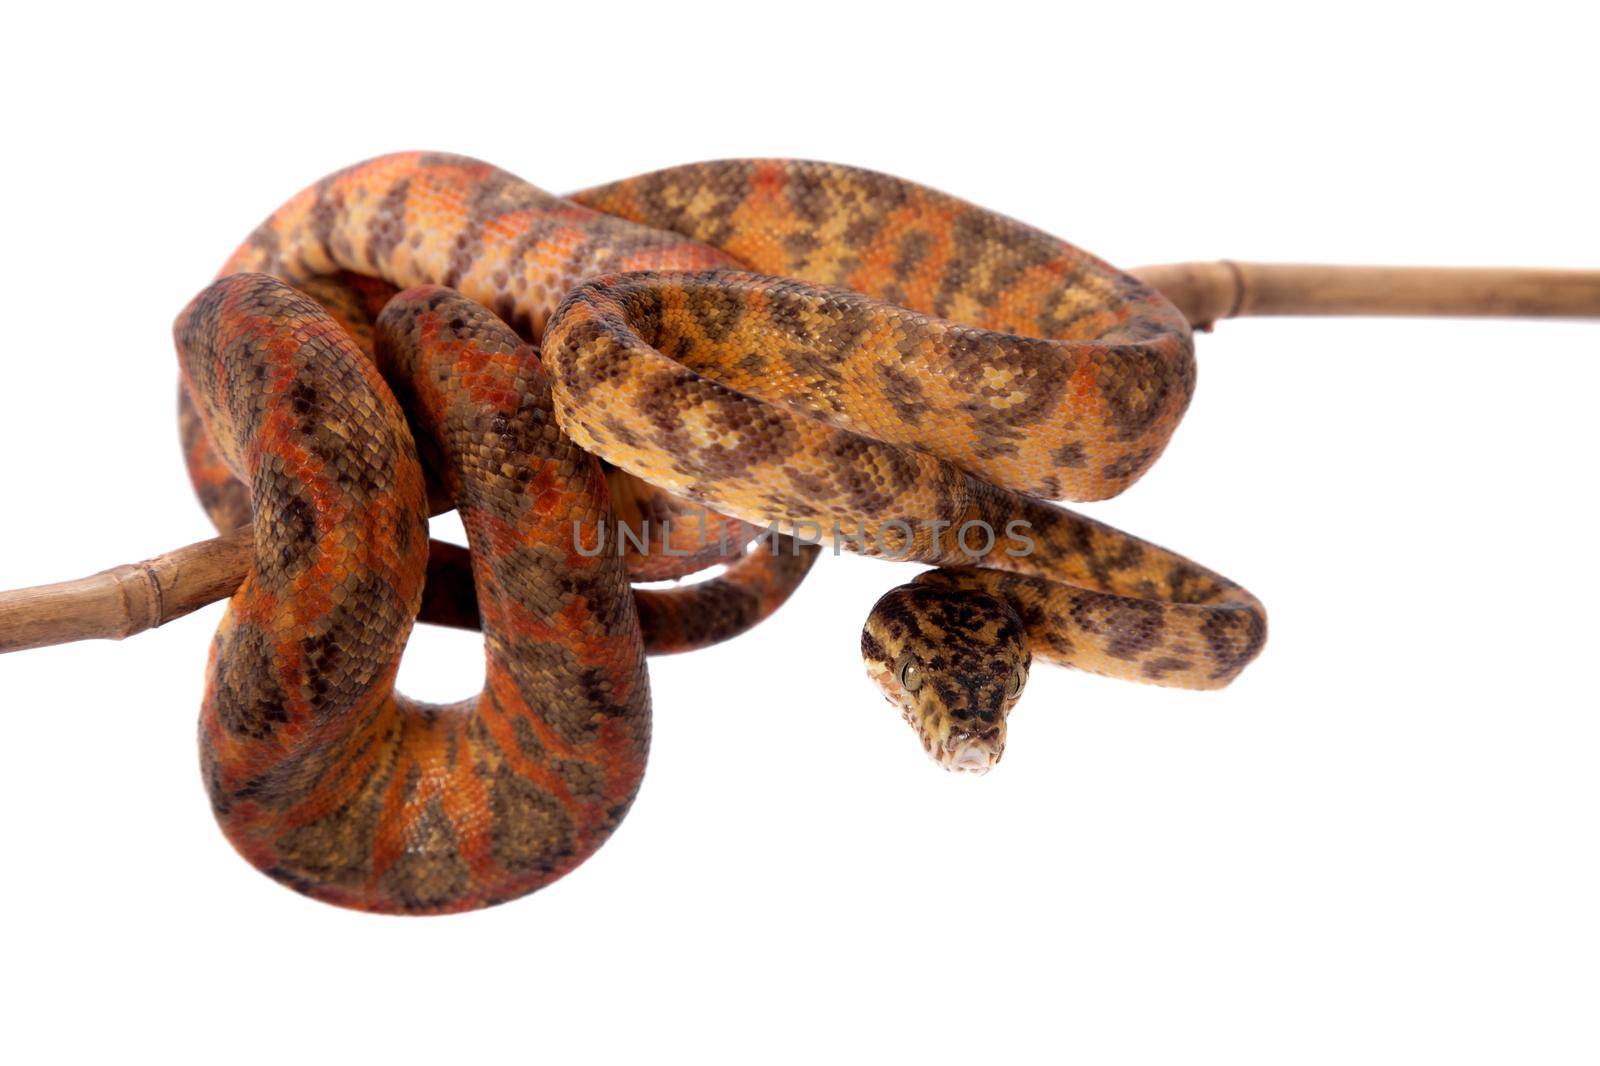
(776, 341)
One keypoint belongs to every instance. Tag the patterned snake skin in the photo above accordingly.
(840, 355)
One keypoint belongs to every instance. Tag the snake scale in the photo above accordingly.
(831, 354)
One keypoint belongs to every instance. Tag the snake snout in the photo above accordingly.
(965, 753)
(971, 760)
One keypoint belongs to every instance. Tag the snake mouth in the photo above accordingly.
(972, 759)
(965, 753)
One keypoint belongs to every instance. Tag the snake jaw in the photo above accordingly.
(972, 759)
(969, 753)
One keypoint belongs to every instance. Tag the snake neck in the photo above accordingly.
(1040, 539)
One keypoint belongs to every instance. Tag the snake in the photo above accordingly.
(824, 354)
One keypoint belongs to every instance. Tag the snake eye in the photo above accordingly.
(1014, 684)
(911, 675)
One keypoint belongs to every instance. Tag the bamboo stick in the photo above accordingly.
(129, 599)
(1209, 292)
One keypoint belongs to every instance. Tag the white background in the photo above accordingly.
(1378, 846)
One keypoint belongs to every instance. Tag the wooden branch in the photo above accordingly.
(126, 600)
(134, 597)
(1209, 292)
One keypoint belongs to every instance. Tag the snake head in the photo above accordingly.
(954, 662)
